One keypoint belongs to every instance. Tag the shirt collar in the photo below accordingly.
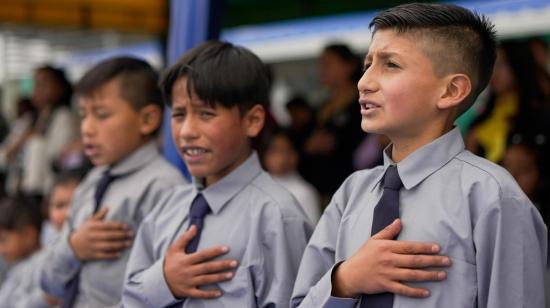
(136, 160)
(426, 160)
(221, 192)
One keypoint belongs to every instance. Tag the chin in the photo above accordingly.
(370, 128)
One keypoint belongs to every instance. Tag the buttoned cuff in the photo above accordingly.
(155, 289)
(322, 294)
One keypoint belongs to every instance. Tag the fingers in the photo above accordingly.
(184, 239)
(421, 261)
(405, 274)
(213, 267)
(106, 255)
(100, 215)
(111, 246)
(107, 225)
(208, 254)
(211, 278)
(402, 289)
(111, 235)
(412, 248)
(389, 232)
(198, 293)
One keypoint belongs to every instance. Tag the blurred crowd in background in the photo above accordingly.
(311, 143)
(322, 143)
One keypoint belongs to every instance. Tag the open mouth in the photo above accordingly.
(91, 150)
(193, 154)
(367, 106)
(193, 151)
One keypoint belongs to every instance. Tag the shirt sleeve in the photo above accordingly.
(511, 244)
(283, 244)
(28, 294)
(62, 266)
(145, 284)
(313, 285)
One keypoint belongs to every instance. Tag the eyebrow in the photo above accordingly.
(382, 54)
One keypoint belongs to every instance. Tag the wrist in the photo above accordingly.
(340, 282)
(72, 245)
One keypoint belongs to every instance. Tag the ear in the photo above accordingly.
(457, 88)
(150, 119)
(29, 234)
(253, 120)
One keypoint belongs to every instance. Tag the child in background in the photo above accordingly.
(121, 110)
(59, 204)
(20, 222)
(281, 159)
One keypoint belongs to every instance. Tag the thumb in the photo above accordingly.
(389, 232)
(100, 215)
(181, 243)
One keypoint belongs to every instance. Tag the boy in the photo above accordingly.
(59, 204)
(218, 93)
(425, 66)
(120, 107)
(20, 222)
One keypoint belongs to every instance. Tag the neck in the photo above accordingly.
(404, 146)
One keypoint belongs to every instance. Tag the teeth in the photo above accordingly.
(194, 151)
(369, 105)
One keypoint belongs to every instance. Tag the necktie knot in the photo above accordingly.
(392, 179)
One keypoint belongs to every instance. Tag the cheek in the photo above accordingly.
(174, 129)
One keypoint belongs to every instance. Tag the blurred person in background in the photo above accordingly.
(280, 158)
(9, 163)
(329, 148)
(52, 128)
(59, 204)
(515, 102)
(20, 224)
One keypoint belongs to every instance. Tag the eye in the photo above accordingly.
(178, 114)
(205, 114)
(102, 115)
(391, 64)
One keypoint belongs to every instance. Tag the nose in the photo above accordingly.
(87, 127)
(188, 129)
(368, 83)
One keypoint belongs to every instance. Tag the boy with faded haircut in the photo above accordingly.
(121, 108)
(235, 237)
(388, 231)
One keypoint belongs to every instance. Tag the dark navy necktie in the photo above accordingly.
(106, 179)
(71, 288)
(385, 212)
(199, 209)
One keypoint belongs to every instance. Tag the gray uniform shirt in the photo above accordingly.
(473, 208)
(21, 289)
(144, 178)
(257, 218)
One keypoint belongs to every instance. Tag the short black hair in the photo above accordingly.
(137, 81)
(220, 73)
(69, 176)
(460, 40)
(18, 212)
